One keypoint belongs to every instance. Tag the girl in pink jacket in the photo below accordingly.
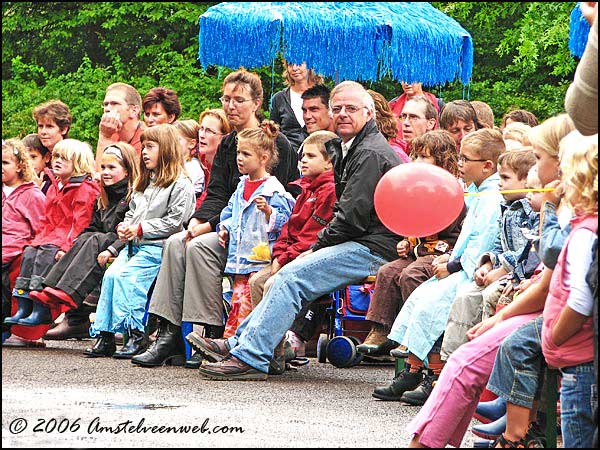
(22, 211)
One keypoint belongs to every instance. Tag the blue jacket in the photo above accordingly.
(511, 242)
(235, 215)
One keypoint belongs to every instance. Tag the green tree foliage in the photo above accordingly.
(522, 58)
(73, 50)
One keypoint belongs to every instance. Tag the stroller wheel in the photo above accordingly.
(359, 356)
(341, 351)
(322, 348)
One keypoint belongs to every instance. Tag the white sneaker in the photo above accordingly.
(297, 344)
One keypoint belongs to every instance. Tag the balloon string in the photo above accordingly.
(510, 191)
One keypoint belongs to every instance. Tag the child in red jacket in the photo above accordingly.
(69, 206)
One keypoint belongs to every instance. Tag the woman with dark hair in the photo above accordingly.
(160, 105)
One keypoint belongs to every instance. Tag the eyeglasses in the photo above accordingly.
(350, 109)
(463, 159)
(208, 132)
(237, 101)
(410, 117)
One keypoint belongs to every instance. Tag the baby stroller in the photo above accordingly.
(347, 326)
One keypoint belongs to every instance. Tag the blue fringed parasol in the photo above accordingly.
(409, 41)
(578, 32)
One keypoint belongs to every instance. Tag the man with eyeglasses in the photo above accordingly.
(352, 246)
(417, 118)
(410, 91)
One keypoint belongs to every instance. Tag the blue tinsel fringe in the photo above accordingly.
(578, 32)
(410, 41)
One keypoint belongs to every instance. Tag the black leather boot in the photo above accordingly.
(104, 346)
(168, 348)
(25, 308)
(40, 315)
(136, 344)
(404, 381)
(210, 331)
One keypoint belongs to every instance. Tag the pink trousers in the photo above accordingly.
(445, 417)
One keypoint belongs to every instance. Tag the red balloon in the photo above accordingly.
(418, 199)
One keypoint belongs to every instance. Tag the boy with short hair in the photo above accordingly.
(507, 263)
(422, 320)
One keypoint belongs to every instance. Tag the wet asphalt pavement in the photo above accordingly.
(55, 397)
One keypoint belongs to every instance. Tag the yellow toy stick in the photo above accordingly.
(510, 191)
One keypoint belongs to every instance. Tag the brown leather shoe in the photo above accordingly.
(231, 369)
(214, 350)
(64, 331)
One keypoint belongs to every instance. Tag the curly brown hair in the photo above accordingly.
(438, 144)
(19, 152)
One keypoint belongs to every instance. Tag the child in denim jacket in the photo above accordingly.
(257, 192)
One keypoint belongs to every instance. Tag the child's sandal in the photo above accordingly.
(502, 442)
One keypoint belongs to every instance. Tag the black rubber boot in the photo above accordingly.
(105, 346)
(40, 315)
(168, 348)
(136, 344)
(25, 307)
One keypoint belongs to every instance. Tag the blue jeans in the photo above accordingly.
(577, 395)
(517, 372)
(295, 285)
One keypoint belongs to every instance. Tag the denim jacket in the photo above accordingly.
(511, 242)
(552, 236)
(237, 212)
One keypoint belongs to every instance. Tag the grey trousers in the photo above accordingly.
(471, 306)
(189, 287)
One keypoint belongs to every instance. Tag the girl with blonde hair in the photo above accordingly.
(23, 205)
(80, 271)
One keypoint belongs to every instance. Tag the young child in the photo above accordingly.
(257, 193)
(23, 207)
(80, 271)
(398, 279)
(496, 268)
(422, 320)
(41, 159)
(162, 201)
(188, 138)
(69, 206)
(520, 355)
(568, 331)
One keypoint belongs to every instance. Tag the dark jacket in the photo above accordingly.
(283, 114)
(106, 220)
(225, 176)
(356, 177)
